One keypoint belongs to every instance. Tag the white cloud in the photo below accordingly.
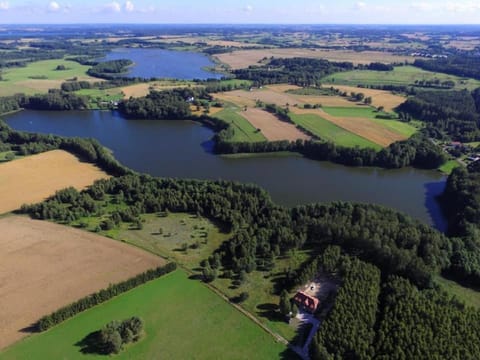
(422, 6)
(53, 6)
(248, 8)
(129, 7)
(113, 7)
(360, 5)
(462, 6)
(4, 5)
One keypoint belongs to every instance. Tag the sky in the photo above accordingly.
(240, 11)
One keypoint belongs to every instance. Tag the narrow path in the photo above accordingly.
(306, 319)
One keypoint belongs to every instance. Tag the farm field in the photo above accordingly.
(182, 317)
(368, 112)
(244, 58)
(44, 266)
(351, 123)
(271, 127)
(42, 175)
(243, 130)
(363, 127)
(401, 75)
(379, 97)
(327, 130)
(40, 76)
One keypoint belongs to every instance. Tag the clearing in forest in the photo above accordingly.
(34, 178)
(44, 266)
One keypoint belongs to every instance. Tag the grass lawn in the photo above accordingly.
(183, 320)
(448, 167)
(243, 130)
(469, 296)
(401, 75)
(38, 77)
(326, 130)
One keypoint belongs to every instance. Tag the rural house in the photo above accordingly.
(306, 302)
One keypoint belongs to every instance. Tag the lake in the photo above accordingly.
(160, 63)
(183, 149)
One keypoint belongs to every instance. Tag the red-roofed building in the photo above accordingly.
(306, 302)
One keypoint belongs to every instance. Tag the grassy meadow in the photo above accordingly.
(326, 130)
(467, 295)
(401, 75)
(40, 76)
(183, 320)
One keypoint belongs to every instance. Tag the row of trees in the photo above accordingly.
(418, 151)
(101, 296)
(460, 65)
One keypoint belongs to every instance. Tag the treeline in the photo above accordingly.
(101, 296)
(298, 71)
(57, 100)
(463, 65)
(70, 86)
(261, 230)
(110, 69)
(452, 112)
(417, 151)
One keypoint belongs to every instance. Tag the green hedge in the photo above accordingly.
(101, 296)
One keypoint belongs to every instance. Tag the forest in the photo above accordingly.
(452, 112)
(298, 71)
(463, 65)
(110, 69)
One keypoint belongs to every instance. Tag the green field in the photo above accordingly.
(38, 77)
(243, 130)
(469, 296)
(183, 320)
(448, 167)
(326, 130)
(401, 75)
(399, 127)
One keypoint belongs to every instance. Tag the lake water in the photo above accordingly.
(182, 149)
(162, 63)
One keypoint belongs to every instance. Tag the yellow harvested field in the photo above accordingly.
(379, 97)
(363, 127)
(271, 127)
(138, 90)
(283, 87)
(34, 178)
(243, 58)
(44, 266)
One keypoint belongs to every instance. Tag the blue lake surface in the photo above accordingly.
(160, 63)
(181, 149)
